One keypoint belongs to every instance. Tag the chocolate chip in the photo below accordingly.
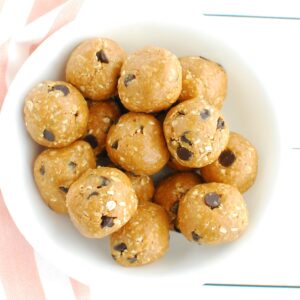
(220, 124)
(114, 257)
(76, 114)
(196, 237)
(48, 135)
(107, 221)
(227, 158)
(204, 114)
(120, 247)
(101, 56)
(174, 207)
(212, 200)
(92, 194)
(60, 87)
(115, 144)
(64, 189)
(132, 259)
(128, 79)
(184, 139)
(104, 181)
(184, 153)
(91, 139)
(72, 165)
(42, 170)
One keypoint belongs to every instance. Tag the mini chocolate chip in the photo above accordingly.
(174, 207)
(212, 200)
(142, 129)
(101, 56)
(220, 124)
(92, 194)
(42, 170)
(184, 153)
(107, 221)
(196, 237)
(132, 259)
(205, 113)
(72, 165)
(64, 189)
(128, 79)
(76, 114)
(115, 144)
(120, 247)
(104, 181)
(227, 158)
(114, 257)
(60, 87)
(184, 139)
(48, 135)
(91, 139)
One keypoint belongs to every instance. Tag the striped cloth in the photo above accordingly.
(23, 273)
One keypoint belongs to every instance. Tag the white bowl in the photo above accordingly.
(247, 109)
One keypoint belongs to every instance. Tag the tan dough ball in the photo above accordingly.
(150, 80)
(94, 67)
(136, 143)
(212, 213)
(56, 169)
(195, 132)
(203, 78)
(236, 165)
(170, 191)
(101, 116)
(144, 239)
(143, 186)
(101, 201)
(56, 114)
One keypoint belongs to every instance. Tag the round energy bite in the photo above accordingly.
(94, 67)
(212, 213)
(101, 116)
(56, 169)
(150, 80)
(171, 189)
(101, 201)
(56, 114)
(136, 143)
(236, 165)
(203, 78)
(195, 132)
(143, 186)
(144, 239)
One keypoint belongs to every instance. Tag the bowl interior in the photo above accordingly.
(247, 110)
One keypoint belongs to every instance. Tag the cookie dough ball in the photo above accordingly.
(101, 116)
(150, 80)
(144, 239)
(56, 169)
(175, 165)
(56, 114)
(236, 165)
(196, 133)
(171, 189)
(143, 186)
(203, 78)
(136, 143)
(94, 67)
(212, 213)
(101, 201)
